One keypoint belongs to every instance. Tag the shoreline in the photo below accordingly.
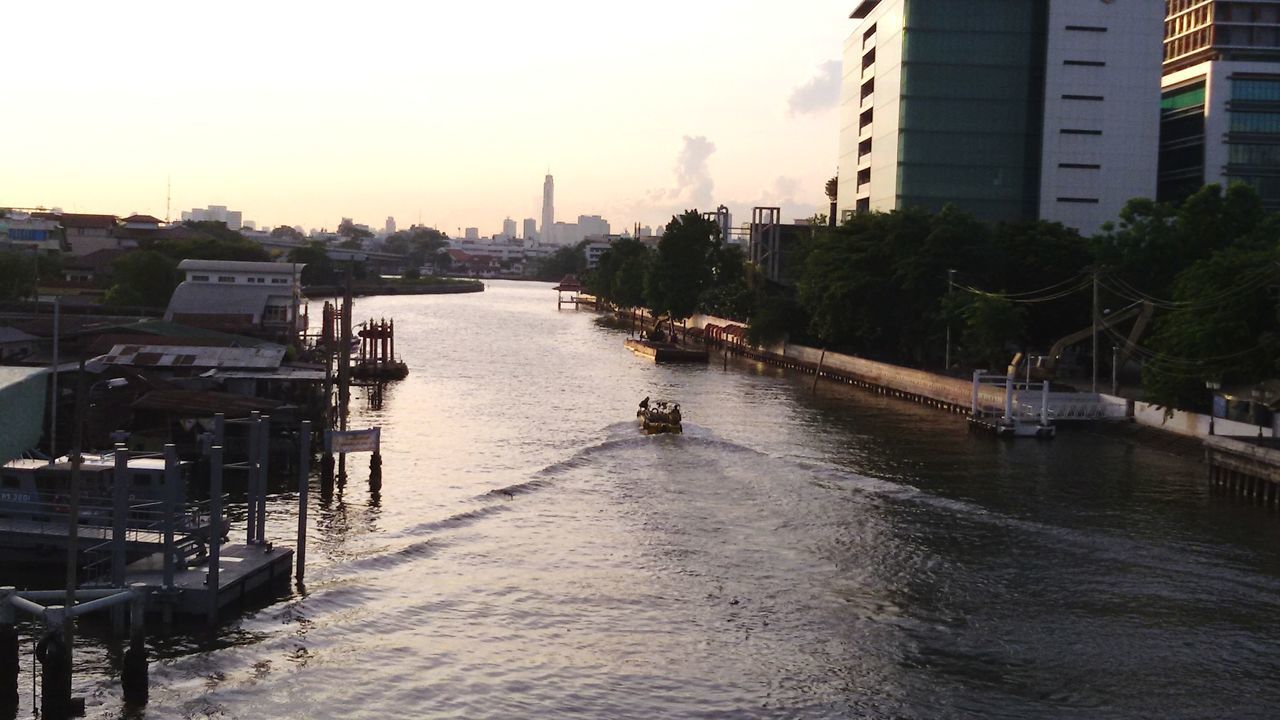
(327, 291)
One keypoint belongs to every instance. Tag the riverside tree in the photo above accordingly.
(683, 268)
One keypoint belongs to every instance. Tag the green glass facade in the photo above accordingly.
(972, 113)
(1181, 170)
(1253, 136)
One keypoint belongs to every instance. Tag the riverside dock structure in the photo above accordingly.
(1247, 468)
(665, 352)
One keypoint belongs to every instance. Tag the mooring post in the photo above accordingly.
(55, 668)
(251, 484)
(133, 677)
(304, 486)
(375, 471)
(120, 483)
(9, 666)
(215, 531)
(264, 450)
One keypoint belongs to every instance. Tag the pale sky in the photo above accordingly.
(300, 113)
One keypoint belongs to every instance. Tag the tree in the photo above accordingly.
(619, 274)
(991, 325)
(143, 278)
(17, 276)
(284, 231)
(683, 267)
(348, 229)
(319, 269)
(568, 260)
(1225, 327)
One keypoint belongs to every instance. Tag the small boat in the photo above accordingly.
(661, 416)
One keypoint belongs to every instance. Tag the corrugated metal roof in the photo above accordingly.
(203, 404)
(21, 409)
(240, 266)
(202, 298)
(190, 356)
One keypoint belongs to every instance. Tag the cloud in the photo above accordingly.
(820, 94)
(693, 176)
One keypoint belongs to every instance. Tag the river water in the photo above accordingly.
(789, 556)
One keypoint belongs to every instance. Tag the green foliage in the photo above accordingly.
(284, 231)
(618, 277)
(349, 230)
(1226, 327)
(412, 274)
(143, 278)
(568, 260)
(991, 326)
(320, 269)
(17, 276)
(684, 266)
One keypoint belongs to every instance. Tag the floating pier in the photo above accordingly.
(667, 352)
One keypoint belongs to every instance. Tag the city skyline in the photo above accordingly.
(288, 129)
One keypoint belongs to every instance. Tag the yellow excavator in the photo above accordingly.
(1142, 310)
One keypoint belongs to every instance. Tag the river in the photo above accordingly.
(790, 556)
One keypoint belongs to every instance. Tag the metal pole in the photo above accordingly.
(303, 489)
(1044, 404)
(264, 451)
(169, 507)
(1095, 330)
(977, 384)
(251, 483)
(215, 530)
(1115, 371)
(120, 481)
(73, 517)
(946, 366)
(53, 404)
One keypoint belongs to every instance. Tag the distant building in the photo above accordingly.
(85, 234)
(251, 298)
(25, 233)
(472, 233)
(1008, 109)
(590, 225)
(548, 211)
(390, 226)
(530, 229)
(214, 213)
(508, 229)
(596, 246)
(1220, 109)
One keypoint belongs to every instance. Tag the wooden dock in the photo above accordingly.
(243, 570)
(667, 352)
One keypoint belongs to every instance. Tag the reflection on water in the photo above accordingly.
(790, 555)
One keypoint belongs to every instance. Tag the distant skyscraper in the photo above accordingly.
(473, 233)
(530, 229)
(508, 229)
(391, 225)
(548, 210)
(1220, 115)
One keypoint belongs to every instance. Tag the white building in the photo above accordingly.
(215, 213)
(508, 229)
(530, 229)
(1009, 109)
(238, 297)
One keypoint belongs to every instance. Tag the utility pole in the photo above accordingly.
(1095, 330)
(951, 283)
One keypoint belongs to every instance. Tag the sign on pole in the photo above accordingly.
(351, 441)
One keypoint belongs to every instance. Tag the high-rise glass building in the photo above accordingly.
(1009, 109)
(1220, 110)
